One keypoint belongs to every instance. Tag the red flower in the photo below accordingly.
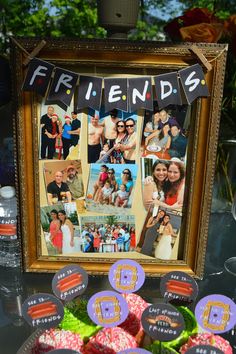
(183, 27)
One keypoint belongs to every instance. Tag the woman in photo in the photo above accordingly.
(68, 233)
(55, 231)
(96, 240)
(113, 185)
(125, 179)
(164, 249)
(117, 155)
(153, 188)
(66, 137)
(160, 138)
(151, 234)
(152, 125)
(173, 187)
(132, 238)
(128, 147)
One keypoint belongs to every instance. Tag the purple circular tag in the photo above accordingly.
(107, 308)
(216, 313)
(63, 351)
(43, 310)
(134, 351)
(162, 322)
(69, 282)
(178, 287)
(126, 276)
(204, 349)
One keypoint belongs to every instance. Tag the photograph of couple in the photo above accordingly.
(60, 229)
(165, 133)
(160, 233)
(163, 183)
(112, 138)
(110, 187)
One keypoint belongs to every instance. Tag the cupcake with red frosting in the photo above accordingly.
(57, 339)
(110, 341)
(136, 306)
(207, 339)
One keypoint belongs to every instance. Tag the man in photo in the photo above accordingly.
(75, 128)
(58, 190)
(49, 132)
(95, 139)
(178, 142)
(165, 118)
(74, 182)
(109, 124)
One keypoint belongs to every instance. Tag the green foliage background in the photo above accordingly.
(78, 18)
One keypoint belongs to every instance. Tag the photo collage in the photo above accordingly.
(112, 181)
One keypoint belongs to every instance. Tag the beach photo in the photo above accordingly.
(110, 188)
(112, 137)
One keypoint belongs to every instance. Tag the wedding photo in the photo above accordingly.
(61, 230)
(160, 233)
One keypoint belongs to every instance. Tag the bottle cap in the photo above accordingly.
(7, 192)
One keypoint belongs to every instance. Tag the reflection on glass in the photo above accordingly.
(233, 209)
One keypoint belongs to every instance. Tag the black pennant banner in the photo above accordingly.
(125, 94)
(140, 93)
(38, 76)
(193, 82)
(167, 90)
(115, 94)
(62, 88)
(89, 92)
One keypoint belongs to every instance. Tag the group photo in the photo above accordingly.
(59, 132)
(110, 187)
(63, 181)
(163, 183)
(104, 234)
(160, 232)
(112, 137)
(61, 229)
(165, 133)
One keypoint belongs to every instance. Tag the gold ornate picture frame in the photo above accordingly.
(109, 58)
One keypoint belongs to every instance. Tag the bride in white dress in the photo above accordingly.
(164, 249)
(68, 233)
